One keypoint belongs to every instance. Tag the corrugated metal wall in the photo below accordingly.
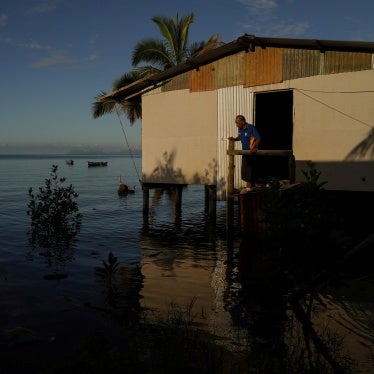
(229, 71)
(264, 66)
(231, 102)
(299, 63)
(180, 82)
(202, 80)
(341, 62)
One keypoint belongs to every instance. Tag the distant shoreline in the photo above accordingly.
(67, 155)
(136, 153)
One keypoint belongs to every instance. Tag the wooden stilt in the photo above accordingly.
(178, 197)
(145, 201)
(231, 169)
(211, 196)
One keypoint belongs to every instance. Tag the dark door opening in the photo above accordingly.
(274, 121)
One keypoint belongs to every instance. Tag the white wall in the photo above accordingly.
(333, 127)
(333, 114)
(179, 137)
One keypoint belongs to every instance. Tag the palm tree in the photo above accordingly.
(159, 54)
(174, 48)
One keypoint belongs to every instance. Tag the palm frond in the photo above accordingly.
(198, 48)
(100, 108)
(152, 51)
(126, 79)
(132, 110)
(146, 70)
(175, 32)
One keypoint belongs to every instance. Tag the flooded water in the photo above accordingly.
(170, 260)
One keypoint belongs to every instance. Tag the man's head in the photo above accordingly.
(240, 121)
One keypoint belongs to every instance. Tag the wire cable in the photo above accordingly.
(128, 145)
(335, 109)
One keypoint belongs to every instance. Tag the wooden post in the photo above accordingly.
(292, 166)
(177, 191)
(145, 201)
(231, 169)
(230, 191)
(178, 197)
(210, 200)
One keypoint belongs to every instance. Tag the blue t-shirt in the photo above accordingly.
(245, 135)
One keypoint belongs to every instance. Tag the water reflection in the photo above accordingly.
(121, 285)
(302, 329)
(173, 195)
(241, 297)
(56, 249)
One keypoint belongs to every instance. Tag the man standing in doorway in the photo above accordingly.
(250, 138)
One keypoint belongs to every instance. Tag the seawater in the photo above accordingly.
(178, 256)
(184, 260)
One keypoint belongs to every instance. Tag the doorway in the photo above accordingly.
(274, 121)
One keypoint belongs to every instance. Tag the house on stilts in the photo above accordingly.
(311, 98)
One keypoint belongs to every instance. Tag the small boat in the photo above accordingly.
(69, 162)
(97, 163)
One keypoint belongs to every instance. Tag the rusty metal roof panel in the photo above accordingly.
(178, 82)
(263, 66)
(229, 71)
(341, 62)
(202, 79)
(299, 63)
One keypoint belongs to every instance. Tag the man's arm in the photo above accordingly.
(254, 142)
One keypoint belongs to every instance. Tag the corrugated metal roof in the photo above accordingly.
(243, 43)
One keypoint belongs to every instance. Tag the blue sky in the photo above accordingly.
(57, 55)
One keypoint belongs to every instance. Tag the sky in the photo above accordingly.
(56, 56)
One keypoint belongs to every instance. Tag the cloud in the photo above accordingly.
(3, 19)
(265, 18)
(259, 5)
(92, 57)
(291, 28)
(44, 6)
(57, 59)
(29, 45)
(61, 60)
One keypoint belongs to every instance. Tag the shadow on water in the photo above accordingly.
(291, 330)
(288, 274)
(120, 286)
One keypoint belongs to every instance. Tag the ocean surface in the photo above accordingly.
(169, 260)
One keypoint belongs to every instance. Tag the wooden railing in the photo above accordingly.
(232, 152)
